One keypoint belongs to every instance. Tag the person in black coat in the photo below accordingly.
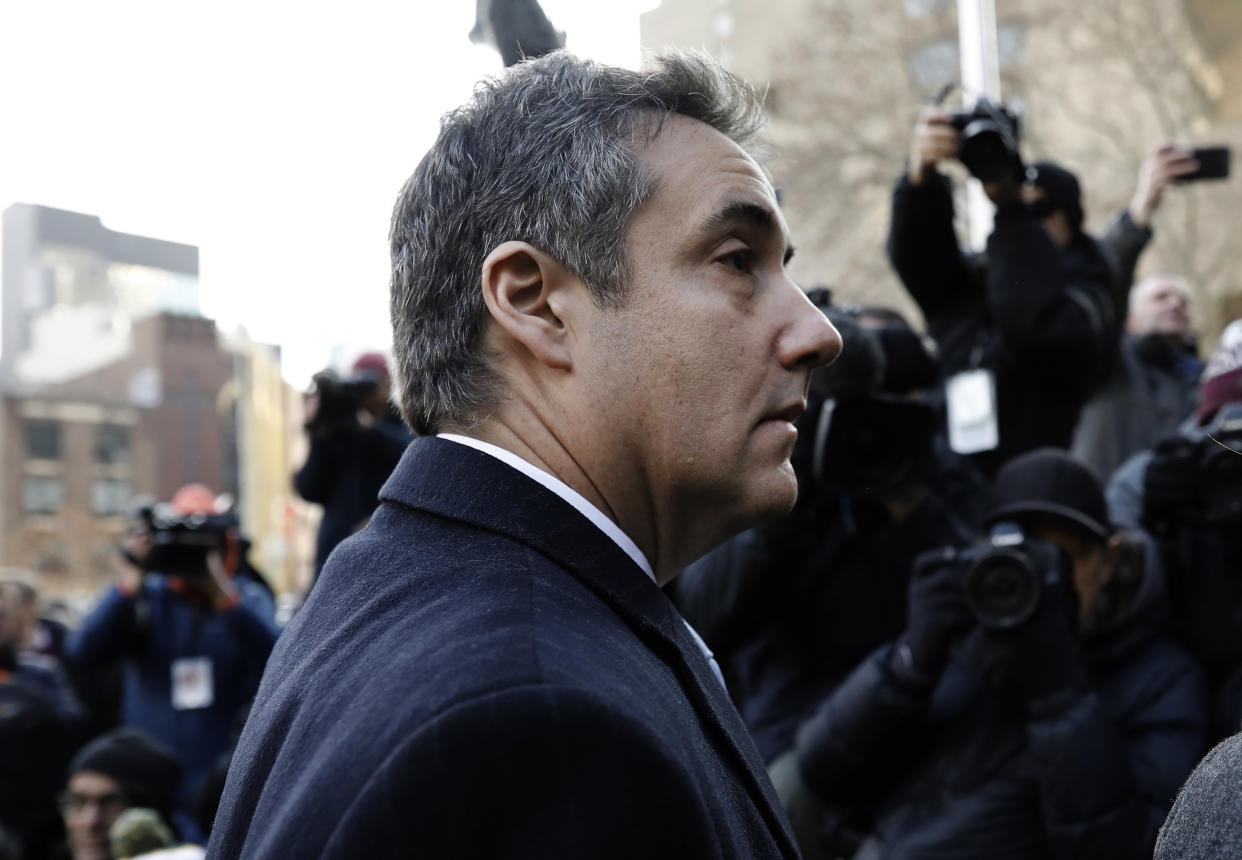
(349, 460)
(1064, 736)
(602, 354)
(1153, 384)
(1036, 311)
(791, 607)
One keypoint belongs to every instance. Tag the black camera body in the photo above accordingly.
(179, 544)
(1207, 468)
(989, 140)
(856, 437)
(339, 401)
(1005, 575)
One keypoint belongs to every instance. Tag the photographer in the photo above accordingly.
(1032, 707)
(1024, 329)
(356, 439)
(1188, 493)
(1153, 384)
(193, 639)
(791, 607)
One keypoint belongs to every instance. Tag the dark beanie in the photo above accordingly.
(1049, 481)
(1060, 187)
(147, 770)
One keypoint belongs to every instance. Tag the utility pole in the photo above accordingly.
(976, 37)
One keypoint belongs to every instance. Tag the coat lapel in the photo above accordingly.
(456, 481)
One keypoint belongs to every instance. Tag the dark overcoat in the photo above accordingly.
(481, 672)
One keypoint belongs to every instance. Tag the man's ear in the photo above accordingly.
(527, 292)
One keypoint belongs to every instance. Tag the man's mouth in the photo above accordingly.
(790, 413)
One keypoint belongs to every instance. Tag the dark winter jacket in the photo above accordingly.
(343, 473)
(1153, 389)
(968, 772)
(1042, 319)
(1204, 590)
(35, 746)
(150, 631)
(834, 582)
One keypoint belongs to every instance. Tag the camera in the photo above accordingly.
(179, 543)
(339, 401)
(856, 436)
(1005, 576)
(989, 140)
(1212, 466)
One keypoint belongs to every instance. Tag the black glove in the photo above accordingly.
(1041, 656)
(938, 616)
(1170, 484)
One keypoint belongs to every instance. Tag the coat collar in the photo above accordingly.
(458, 482)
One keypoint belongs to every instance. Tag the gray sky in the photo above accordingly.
(273, 135)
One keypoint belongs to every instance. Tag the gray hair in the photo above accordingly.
(546, 154)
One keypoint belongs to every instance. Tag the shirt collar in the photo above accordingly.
(566, 492)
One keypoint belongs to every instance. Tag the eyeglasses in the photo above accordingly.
(73, 804)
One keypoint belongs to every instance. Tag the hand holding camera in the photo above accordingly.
(935, 140)
(1196, 481)
(334, 404)
(937, 617)
(1023, 594)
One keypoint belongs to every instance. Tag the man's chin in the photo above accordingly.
(778, 495)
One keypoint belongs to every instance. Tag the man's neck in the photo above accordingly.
(600, 481)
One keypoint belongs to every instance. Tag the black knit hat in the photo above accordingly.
(1060, 187)
(147, 770)
(1050, 481)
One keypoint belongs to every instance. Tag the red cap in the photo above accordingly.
(373, 363)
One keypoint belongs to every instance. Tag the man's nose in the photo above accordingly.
(810, 340)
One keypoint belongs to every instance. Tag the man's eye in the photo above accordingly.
(741, 260)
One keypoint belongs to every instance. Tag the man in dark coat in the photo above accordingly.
(1153, 380)
(1034, 314)
(348, 460)
(591, 316)
(1154, 386)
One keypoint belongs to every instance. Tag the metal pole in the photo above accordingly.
(976, 36)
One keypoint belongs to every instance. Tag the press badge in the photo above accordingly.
(192, 683)
(971, 397)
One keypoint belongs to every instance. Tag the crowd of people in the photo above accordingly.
(1003, 618)
(1018, 637)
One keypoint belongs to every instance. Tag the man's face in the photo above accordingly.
(701, 374)
(1092, 568)
(1161, 306)
(17, 617)
(92, 802)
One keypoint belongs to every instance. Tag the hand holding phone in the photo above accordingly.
(1213, 163)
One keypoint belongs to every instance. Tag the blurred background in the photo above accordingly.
(196, 203)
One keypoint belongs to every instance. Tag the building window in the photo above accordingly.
(111, 444)
(109, 497)
(43, 440)
(42, 495)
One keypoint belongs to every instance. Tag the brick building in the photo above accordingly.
(77, 451)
